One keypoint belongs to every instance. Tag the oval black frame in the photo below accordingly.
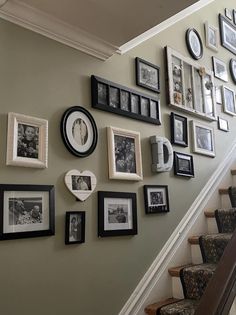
(196, 57)
(231, 68)
(65, 139)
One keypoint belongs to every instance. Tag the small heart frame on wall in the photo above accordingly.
(80, 183)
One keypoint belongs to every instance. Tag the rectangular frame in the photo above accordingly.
(212, 36)
(27, 141)
(183, 164)
(147, 75)
(179, 130)
(156, 199)
(75, 227)
(229, 104)
(223, 124)
(227, 34)
(203, 139)
(220, 69)
(118, 99)
(124, 154)
(117, 213)
(26, 211)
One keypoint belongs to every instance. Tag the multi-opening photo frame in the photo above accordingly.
(75, 227)
(183, 164)
(203, 139)
(117, 213)
(156, 198)
(179, 130)
(118, 99)
(147, 75)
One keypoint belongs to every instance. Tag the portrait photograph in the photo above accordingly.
(220, 69)
(81, 182)
(212, 36)
(147, 75)
(156, 199)
(203, 139)
(229, 101)
(75, 227)
(183, 164)
(227, 34)
(102, 93)
(179, 130)
(194, 43)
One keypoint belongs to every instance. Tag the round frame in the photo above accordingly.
(194, 43)
(232, 68)
(79, 131)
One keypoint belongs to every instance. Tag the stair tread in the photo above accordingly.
(194, 240)
(209, 214)
(223, 191)
(153, 308)
(175, 271)
(233, 172)
(186, 306)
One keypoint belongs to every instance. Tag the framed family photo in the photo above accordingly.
(79, 131)
(75, 227)
(27, 141)
(124, 154)
(26, 211)
(183, 164)
(117, 213)
(227, 34)
(220, 69)
(229, 101)
(212, 37)
(179, 130)
(156, 198)
(203, 139)
(194, 43)
(147, 75)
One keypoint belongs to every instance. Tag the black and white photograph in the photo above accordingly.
(212, 36)
(114, 94)
(81, 182)
(194, 43)
(232, 68)
(183, 165)
(203, 139)
(75, 227)
(229, 101)
(102, 93)
(79, 131)
(218, 93)
(227, 34)
(27, 211)
(179, 130)
(156, 198)
(27, 141)
(124, 152)
(117, 213)
(223, 124)
(147, 75)
(228, 14)
(220, 69)
(234, 16)
(125, 100)
(135, 104)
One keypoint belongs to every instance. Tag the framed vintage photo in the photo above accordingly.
(220, 69)
(26, 211)
(27, 141)
(124, 154)
(203, 139)
(212, 36)
(75, 227)
(79, 131)
(179, 130)
(227, 34)
(223, 124)
(218, 91)
(156, 198)
(117, 213)
(232, 69)
(183, 164)
(147, 75)
(194, 43)
(229, 101)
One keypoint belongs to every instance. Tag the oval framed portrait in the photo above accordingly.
(194, 43)
(79, 131)
(232, 68)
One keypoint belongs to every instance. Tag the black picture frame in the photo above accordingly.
(75, 227)
(234, 16)
(183, 164)
(79, 131)
(118, 99)
(147, 75)
(117, 213)
(179, 130)
(227, 34)
(194, 43)
(223, 124)
(26, 211)
(232, 69)
(156, 199)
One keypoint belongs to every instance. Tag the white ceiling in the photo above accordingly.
(103, 25)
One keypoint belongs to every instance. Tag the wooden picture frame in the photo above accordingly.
(75, 227)
(27, 141)
(124, 154)
(117, 213)
(203, 139)
(229, 104)
(220, 69)
(194, 43)
(156, 199)
(183, 164)
(212, 36)
(26, 211)
(223, 124)
(227, 34)
(147, 75)
(179, 129)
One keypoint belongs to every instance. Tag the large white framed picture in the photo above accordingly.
(203, 139)
(27, 141)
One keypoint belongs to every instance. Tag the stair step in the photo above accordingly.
(186, 307)
(209, 214)
(153, 308)
(193, 240)
(233, 172)
(175, 271)
(223, 191)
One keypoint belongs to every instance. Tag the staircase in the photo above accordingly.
(189, 281)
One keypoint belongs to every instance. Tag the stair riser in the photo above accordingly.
(196, 254)
(177, 288)
(212, 226)
(225, 201)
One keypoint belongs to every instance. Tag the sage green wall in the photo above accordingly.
(42, 78)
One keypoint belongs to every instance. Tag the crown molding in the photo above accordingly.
(45, 24)
(162, 26)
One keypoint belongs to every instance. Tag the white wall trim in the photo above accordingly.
(137, 301)
(45, 24)
(162, 26)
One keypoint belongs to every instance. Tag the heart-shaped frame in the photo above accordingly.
(80, 184)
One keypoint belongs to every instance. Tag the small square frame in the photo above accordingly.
(179, 130)
(212, 36)
(117, 213)
(183, 164)
(75, 227)
(147, 75)
(203, 139)
(223, 124)
(27, 141)
(156, 199)
(220, 69)
(229, 105)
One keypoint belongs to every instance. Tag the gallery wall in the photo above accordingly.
(42, 78)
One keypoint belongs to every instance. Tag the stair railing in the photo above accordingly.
(221, 289)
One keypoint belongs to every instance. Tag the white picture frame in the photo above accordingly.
(229, 105)
(203, 139)
(27, 141)
(220, 69)
(223, 124)
(124, 154)
(212, 36)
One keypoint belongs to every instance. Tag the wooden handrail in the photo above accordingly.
(221, 289)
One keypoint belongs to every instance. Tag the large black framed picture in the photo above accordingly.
(26, 211)
(79, 131)
(156, 198)
(147, 75)
(183, 164)
(227, 34)
(117, 213)
(194, 43)
(179, 130)
(75, 227)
